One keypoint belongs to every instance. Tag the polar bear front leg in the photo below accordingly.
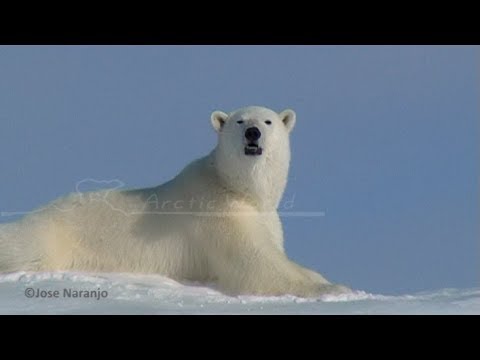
(245, 267)
(269, 277)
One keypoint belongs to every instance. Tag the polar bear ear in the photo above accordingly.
(218, 119)
(288, 118)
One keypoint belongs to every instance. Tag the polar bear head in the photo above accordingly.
(254, 130)
(253, 151)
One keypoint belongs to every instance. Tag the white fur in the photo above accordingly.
(214, 222)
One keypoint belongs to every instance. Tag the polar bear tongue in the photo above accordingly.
(253, 149)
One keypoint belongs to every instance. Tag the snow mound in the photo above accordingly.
(113, 293)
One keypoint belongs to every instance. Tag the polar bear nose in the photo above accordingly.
(252, 134)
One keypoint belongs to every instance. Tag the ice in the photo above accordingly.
(153, 294)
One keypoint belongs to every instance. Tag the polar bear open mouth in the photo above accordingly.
(253, 149)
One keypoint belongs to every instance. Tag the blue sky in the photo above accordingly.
(386, 142)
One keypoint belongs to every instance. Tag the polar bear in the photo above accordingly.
(216, 222)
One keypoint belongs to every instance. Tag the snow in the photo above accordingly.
(153, 294)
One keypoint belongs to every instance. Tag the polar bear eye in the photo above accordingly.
(268, 122)
(240, 122)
